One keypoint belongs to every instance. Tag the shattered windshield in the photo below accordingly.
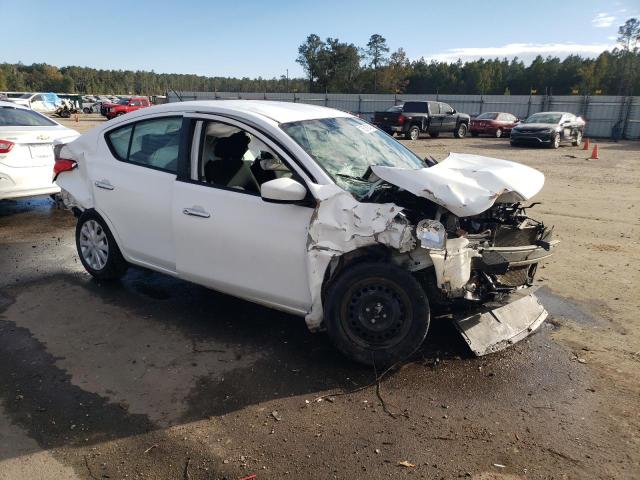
(345, 147)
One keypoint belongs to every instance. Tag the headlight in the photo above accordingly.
(432, 234)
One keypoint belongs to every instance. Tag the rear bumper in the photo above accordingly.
(495, 327)
(26, 182)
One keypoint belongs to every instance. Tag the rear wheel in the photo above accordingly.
(555, 141)
(413, 133)
(97, 249)
(377, 313)
(498, 133)
(86, 110)
(577, 140)
(461, 131)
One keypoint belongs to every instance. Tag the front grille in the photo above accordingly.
(514, 277)
(515, 237)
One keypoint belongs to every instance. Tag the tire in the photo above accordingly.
(461, 131)
(92, 237)
(434, 134)
(119, 114)
(65, 114)
(577, 141)
(376, 313)
(86, 110)
(474, 134)
(498, 133)
(555, 141)
(413, 133)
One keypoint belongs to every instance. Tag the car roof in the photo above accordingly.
(279, 112)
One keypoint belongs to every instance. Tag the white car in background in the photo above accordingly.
(315, 212)
(26, 151)
(39, 102)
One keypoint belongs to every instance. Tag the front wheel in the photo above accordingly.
(97, 249)
(376, 313)
(555, 141)
(86, 110)
(461, 131)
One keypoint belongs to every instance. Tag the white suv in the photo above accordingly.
(314, 212)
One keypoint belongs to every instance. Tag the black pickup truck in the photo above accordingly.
(414, 118)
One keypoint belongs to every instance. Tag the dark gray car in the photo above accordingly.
(549, 129)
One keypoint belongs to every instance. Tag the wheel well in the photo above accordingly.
(373, 253)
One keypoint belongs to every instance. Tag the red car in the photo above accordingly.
(127, 105)
(496, 124)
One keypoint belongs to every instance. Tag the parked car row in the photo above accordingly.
(123, 106)
(411, 119)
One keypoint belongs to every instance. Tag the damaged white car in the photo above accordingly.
(314, 212)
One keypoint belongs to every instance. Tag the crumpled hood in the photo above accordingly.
(467, 184)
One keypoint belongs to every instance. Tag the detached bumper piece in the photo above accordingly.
(492, 330)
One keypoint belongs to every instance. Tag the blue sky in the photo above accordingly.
(254, 38)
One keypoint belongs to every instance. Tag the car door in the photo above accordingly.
(435, 117)
(448, 118)
(133, 179)
(227, 237)
(37, 103)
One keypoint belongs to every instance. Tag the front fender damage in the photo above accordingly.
(341, 224)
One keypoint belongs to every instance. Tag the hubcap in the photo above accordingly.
(414, 134)
(375, 314)
(556, 141)
(462, 130)
(498, 133)
(94, 246)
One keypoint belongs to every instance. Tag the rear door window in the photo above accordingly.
(149, 143)
(434, 108)
(21, 117)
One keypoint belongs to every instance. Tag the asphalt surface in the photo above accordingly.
(153, 377)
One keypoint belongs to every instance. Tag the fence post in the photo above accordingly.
(295, 100)
(359, 105)
(625, 124)
(326, 99)
(481, 102)
(529, 106)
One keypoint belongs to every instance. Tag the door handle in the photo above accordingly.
(104, 184)
(196, 212)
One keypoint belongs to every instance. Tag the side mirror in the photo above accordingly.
(283, 190)
(453, 112)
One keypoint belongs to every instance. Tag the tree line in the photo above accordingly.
(333, 66)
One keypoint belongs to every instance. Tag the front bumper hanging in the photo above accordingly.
(494, 329)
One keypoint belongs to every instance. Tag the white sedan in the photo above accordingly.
(26, 151)
(314, 212)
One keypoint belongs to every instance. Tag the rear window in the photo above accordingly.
(21, 117)
(487, 116)
(415, 107)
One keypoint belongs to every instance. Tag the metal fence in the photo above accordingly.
(606, 116)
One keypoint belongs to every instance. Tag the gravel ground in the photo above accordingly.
(157, 378)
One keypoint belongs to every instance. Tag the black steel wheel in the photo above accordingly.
(376, 313)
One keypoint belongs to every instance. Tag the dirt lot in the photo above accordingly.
(157, 378)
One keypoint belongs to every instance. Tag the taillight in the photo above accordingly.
(63, 165)
(6, 146)
(401, 119)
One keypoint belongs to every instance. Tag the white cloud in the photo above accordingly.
(603, 20)
(524, 51)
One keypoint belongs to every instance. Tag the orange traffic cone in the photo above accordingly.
(594, 153)
(586, 144)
